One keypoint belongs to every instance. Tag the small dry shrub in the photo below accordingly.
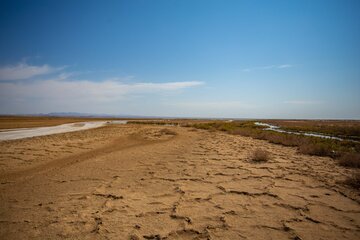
(350, 160)
(261, 155)
(315, 149)
(166, 131)
(354, 180)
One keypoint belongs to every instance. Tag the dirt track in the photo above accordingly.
(137, 182)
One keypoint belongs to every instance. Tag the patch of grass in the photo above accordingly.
(260, 155)
(354, 180)
(342, 128)
(350, 160)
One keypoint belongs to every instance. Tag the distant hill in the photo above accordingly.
(101, 115)
(91, 115)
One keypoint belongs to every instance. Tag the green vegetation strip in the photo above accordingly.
(347, 151)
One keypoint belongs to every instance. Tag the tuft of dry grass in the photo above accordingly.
(166, 131)
(354, 180)
(350, 160)
(260, 155)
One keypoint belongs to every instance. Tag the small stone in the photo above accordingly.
(133, 237)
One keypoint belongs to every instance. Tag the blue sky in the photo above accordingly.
(184, 58)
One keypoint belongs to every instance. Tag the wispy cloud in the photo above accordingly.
(218, 105)
(303, 102)
(282, 66)
(64, 84)
(285, 66)
(48, 91)
(210, 108)
(25, 71)
(67, 90)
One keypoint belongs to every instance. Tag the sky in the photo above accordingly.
(182, 58)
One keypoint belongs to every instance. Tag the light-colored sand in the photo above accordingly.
(20, 133)
(140, 182)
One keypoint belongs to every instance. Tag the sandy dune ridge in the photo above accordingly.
(140, 182)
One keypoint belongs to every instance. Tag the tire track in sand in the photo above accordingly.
(122, 143)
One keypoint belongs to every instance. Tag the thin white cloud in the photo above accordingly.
(65, 90)
(218, 105)
(162, 86)
(210, 108)
(302, 102)
(285, 66)
(282, 66)
(25, 71)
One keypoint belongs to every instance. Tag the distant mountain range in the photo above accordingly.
(100, 115)
(83, 115)
(92, 115)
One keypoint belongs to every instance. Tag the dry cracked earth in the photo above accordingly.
(141, 182)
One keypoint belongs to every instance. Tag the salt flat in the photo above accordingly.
(12, 134)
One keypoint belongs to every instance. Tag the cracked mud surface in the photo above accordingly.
(136, 182)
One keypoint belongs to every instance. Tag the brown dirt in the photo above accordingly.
(137, 182)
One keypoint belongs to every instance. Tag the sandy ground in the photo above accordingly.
(140, 182)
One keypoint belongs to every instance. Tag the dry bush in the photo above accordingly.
(350, 160)
(354, 180)
(260, 155)
(166, 131)
(315, 149)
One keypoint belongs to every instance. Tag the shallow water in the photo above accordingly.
(310, 134)
(12, 134)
